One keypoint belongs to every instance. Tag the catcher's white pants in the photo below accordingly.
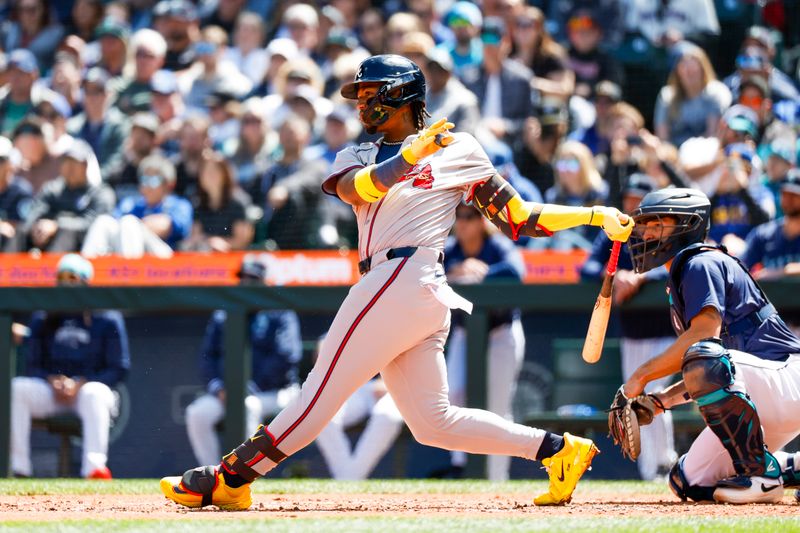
(203, 414)
(506, 351)
(383, 425)
(774, 388)
(394, 321)
(658, 439)
(128, 237)
(33, 398)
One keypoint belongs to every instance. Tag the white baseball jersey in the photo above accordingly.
(411, 212)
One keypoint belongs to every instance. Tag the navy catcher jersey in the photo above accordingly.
(714, 279)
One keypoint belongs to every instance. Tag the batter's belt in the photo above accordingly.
(405, 251)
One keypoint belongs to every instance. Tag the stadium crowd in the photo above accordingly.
(140, 127)
(147, 127)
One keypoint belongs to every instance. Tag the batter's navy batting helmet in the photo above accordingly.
(402, 83)
(691, 210)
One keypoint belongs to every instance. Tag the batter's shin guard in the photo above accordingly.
(243, 460)
(708, 374)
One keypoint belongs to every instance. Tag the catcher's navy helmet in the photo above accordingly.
(692, 211)
(393, 72)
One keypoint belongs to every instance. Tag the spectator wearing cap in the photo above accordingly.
(224, 15)
(211, 73)
(84, 18)
(250, 152)
(55, 110)
(692, 102)
(539, 52)
(503, 86)
(153, 222)
(168, 105)
(597, 135)
(608, 14)
(100, 124)
(291, 191)
(535, 148)
(465, 21)
(65, 207)
(755, 94)
(133, 91)
(754, 61)
(446, 96)
(276, 345)
(340, 131)
(73, 362)
(300, 23)
(775, 245)
(37, 164)
(289, 79)
(433, 25)
(32, 27)
(586, 59)
(338, 43)
(225, 112)
(740, 202)
(113, 37)
(280, 51)
(220, 209)
(15, 196)
(22, 95)
(781, 158)
(193, 140)
(643, 334)
(140, 143)
(247, 53)
(178, 22)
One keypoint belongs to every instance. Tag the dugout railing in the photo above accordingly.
(239, 300)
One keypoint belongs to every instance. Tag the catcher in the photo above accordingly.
(738, 360)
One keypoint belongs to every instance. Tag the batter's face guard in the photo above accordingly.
(667, 221)
(399, 81)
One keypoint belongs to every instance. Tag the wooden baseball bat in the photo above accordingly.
(596, 334)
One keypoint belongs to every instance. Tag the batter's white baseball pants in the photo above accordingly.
(384, 423)
(203, 414)
(394, 321)
(505, 353)
(33, 398)
(774, 388)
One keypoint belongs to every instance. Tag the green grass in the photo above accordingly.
(574, 522)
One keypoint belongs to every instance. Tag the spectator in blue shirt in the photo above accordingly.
(74, 360)
(276, 347)
(152, 222)
(15, 196)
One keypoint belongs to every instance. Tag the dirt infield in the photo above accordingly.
(117, 506)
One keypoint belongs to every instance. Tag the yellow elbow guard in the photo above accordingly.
(365, 187)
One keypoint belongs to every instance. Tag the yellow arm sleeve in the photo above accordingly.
(559, 217)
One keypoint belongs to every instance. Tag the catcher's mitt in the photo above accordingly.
(626, 415)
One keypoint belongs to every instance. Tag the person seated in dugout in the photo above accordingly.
(74, 361)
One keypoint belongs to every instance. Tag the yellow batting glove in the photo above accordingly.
(617, 225)
(429, 141)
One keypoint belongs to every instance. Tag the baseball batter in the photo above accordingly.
(404, 190)
(738, 359)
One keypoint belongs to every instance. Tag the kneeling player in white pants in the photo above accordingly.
(383, 423)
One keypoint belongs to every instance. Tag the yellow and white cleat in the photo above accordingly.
(203, 486)
(565, 469)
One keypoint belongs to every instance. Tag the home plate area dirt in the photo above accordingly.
(44, 508)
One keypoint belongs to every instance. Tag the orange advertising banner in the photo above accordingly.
(307, 267)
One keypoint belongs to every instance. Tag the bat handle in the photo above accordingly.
(611, 268)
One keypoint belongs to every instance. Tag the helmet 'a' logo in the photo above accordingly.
(360, 72)
(423, 177)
